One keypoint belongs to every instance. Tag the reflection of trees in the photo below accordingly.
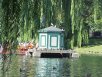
(65, 68)
(6, 59)
(23, 68)
(86, 66)
(9, 66)
(27, 66)
(75, 68)
(31, 65)
(17, 66)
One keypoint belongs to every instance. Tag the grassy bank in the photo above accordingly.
(94, 47)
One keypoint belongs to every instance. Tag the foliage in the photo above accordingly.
(21, 19)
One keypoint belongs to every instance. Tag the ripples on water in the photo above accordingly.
(52, 68)
(23, 66)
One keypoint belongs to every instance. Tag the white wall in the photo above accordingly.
(42, 40)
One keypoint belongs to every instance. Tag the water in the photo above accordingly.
(23, 66)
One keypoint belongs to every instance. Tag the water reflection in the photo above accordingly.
(9, 66)
(4, 64)
(25, 66)
(86, 66)
(52, 68)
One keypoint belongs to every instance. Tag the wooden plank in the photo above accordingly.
(57, 51)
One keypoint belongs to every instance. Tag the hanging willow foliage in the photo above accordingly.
(21, 19)
(66, 23)
(10, 22)
(29, 19)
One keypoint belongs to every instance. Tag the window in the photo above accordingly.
(54, 41)
(43, 40)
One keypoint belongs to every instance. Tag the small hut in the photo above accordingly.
(51, 38)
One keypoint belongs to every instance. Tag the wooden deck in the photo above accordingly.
(52, 53)
(56, 51)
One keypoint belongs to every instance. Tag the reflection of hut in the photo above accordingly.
(51, 38)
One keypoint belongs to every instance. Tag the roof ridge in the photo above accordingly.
(51, 29)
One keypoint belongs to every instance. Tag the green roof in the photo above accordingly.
(51, 29)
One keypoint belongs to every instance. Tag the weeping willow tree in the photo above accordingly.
(24, 20)
(66, 23)
(86, 15)
(9, 23)
(51, 11)
(76, 22)
(21, 19)
(29, 19)
(56, 12)
(81, 12)
(9, 29)
(97, 15)
(96, 11)
(0, 18)
(37, 14)
(46, 13)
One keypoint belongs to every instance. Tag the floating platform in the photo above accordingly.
(54, 53)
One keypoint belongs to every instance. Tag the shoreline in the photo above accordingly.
(90, 50)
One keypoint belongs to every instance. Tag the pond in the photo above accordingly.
(23, 66)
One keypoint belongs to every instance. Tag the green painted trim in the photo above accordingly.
(47, 40)
(39, 40)
(61, 41)
(48, 36)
